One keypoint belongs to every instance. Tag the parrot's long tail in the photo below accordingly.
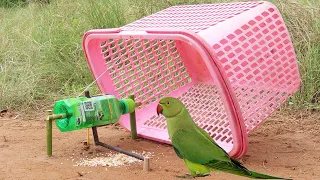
(263, 176)
(252, 174)
(236, 168)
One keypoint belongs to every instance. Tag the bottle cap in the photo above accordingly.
(128, 105)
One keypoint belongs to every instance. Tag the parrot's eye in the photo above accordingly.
(168, 102)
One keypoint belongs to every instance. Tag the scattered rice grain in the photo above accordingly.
(111, 159)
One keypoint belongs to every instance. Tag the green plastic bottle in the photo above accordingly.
(86, 112)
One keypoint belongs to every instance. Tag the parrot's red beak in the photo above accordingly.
(159, 109)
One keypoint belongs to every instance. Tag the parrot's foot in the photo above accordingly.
(203, 175)
(189, 176)
(186, 176)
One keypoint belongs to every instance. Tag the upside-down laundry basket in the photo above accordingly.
(232, 65)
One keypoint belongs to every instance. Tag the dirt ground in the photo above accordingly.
(286, 145)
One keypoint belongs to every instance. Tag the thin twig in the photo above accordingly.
(5, 139)
(264, 166)
(300, 160)
(80, 174)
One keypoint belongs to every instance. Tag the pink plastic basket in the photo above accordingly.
(232, 64)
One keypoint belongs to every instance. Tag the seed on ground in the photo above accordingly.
(111, 159)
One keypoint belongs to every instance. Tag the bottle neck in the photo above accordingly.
(127, 106)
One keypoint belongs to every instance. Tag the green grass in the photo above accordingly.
(42, 56)
(12, 3)
(303, 20)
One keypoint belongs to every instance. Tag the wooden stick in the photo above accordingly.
(87, 95)
(88, 137)
(55, 116)
(146, 164)
(133, 126)
(49, 133)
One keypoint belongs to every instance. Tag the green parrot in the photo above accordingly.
(195, 146)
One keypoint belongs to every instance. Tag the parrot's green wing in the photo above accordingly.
(195, 146)
(209, 137)
(177, 152)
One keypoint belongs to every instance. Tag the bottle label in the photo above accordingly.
(82, 115)
(88, 106)
(84, 109)
(97, 111)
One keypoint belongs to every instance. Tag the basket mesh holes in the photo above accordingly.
(258, 65)
(207, 113)
(143, 69)
(203, 16)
